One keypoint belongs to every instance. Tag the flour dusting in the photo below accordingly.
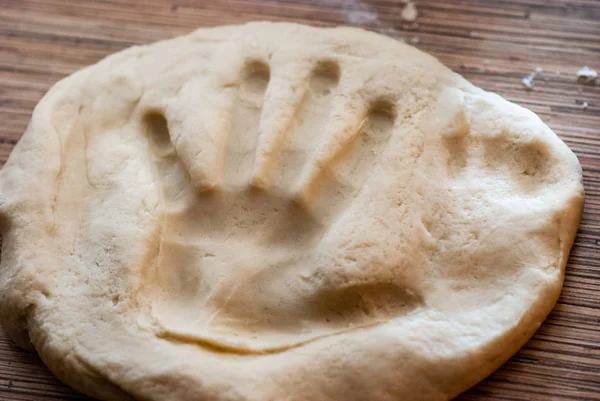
(358, 13)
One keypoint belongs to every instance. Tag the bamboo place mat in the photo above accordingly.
(494, 44)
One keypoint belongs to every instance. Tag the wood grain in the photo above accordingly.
(492, 43)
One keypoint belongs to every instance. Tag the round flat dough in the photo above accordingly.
(280, 212)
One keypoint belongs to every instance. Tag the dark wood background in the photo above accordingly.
(492, 43)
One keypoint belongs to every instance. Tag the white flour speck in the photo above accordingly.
(409, 12)
(587, 74)
(528, 81)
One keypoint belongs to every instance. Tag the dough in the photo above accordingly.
(280, 212)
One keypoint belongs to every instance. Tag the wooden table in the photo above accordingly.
(492, 43)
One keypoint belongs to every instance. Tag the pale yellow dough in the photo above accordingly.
(273, 212)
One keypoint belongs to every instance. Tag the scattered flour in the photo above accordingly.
(409, 12)
(528, 80)
(587, 74)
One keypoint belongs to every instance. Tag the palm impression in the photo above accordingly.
(243, 200)
(244, 258)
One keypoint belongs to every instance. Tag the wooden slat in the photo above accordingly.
(492, 43)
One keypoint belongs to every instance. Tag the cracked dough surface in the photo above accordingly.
(280, 212)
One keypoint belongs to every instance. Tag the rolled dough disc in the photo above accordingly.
(274, 211)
